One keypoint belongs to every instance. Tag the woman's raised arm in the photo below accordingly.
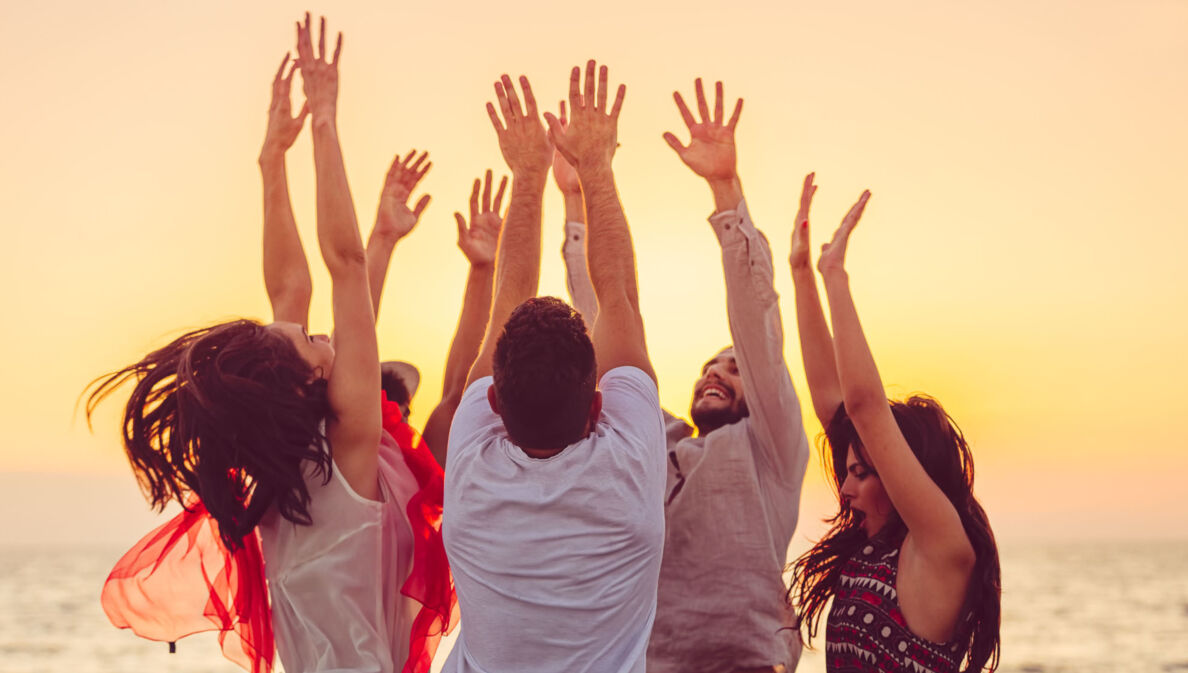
(354, 382)
(286, 271)
(933, 522)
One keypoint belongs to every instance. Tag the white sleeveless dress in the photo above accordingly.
(335, 585)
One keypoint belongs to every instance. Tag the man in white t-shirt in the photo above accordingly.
(554, 512)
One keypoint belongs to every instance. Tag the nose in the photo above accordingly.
(847, 488)
(322, 337)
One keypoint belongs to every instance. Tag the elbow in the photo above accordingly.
(862, 403)
(346, 260)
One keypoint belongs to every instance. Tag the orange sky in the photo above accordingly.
(1022, 258)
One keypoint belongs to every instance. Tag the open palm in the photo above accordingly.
(710, 152)
(480, 240)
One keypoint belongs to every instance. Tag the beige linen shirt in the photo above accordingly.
(734, 494)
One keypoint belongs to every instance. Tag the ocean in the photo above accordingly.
(1084, 607)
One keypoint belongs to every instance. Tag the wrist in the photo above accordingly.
(323, 121)
(271, 157)
(530, 176)
(575, 208)
(482, 267)
(802, 273)
(381, 241)
(835, 276)
(727, 192)
(591, 171)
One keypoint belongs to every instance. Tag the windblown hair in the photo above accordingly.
(942, 450)
(544, 373)
(229, 413)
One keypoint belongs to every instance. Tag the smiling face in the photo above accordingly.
(864, 491)
(718, 394)
(315, 349)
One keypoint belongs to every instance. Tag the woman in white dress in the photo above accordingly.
(280, 449)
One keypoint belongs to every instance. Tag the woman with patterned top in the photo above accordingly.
(910, 562)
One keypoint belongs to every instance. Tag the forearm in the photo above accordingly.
(816, 347)
(379, 258)
(472, 324)
(757, 333)
(861, 386)
(286, 270)
(727, 193)
(609, 252)
(518, 265)
(575, 207)
(577, 274)
(338, 230)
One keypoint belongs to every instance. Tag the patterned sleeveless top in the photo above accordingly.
(866, 630)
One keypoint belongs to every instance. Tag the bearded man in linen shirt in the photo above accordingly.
(733, 490)
(554, 489)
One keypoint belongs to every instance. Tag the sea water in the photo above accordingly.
(1084, 607)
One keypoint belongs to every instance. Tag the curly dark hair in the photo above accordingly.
(230, 413)
(544, 373)
(941, 448)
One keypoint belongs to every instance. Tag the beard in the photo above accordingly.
(708, 420)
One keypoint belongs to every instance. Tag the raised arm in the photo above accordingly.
(354, 381)
(573, 250)
(526, 149)
(286, 271)
(928, 514)
(394, 219)
(478, 242)
(816, 344)
(588, 143)
(752, 305)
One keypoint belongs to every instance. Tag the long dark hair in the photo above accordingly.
(942, 450)
(230, 413)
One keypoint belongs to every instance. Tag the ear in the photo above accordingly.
(595, 411)
(494, 401)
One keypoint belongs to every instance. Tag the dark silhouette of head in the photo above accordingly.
(230, 413)
(941, 448)
(544, 374)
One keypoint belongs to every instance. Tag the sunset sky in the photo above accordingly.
(1022, 258)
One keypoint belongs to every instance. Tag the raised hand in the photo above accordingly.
(591, 135)
(394, 219)
(833, 253)
(801, 257)
(522, 138)
(283, 127)
(480, 240)
(563, 172)
(710, 152)
(319, 77)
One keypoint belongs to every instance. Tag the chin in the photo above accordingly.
(714, 417)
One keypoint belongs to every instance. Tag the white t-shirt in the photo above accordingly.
(556, 560)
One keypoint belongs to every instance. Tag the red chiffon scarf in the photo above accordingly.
(180, 579)
(430, 582)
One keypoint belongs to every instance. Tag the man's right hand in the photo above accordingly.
(589, 140)
(710, 152)
(522, 138)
